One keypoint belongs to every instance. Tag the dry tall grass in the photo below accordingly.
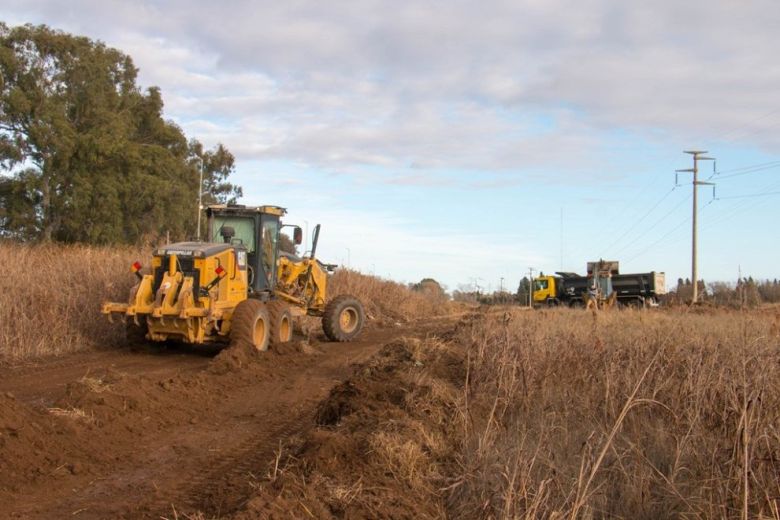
(50, 297)
(625, 415)
(386, 298)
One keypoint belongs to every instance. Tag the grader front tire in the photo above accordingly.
(250, 326)
(343, 318)
(281, 323)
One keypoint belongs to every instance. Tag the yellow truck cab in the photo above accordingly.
(545, 290)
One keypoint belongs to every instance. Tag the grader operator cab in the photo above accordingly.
(237, 287)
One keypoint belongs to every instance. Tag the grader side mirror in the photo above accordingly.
(297, 236)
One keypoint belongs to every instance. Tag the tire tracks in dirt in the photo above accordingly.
(204, 463)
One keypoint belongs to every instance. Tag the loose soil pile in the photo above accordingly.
(147, 439)
(382, 447)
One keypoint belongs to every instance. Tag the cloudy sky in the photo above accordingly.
(469, 141)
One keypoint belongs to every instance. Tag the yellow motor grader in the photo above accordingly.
(237, 287)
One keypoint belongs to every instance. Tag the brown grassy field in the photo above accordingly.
(623, 415)
(666, 413)
(552, 414)
(51, 297)
(385, 299)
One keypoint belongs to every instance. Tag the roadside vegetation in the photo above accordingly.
(621, 415)
(551, 414)
(388, 301)
(52, 295)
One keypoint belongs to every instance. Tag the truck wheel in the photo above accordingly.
(250, 325)
(281, 322)
(343, 319)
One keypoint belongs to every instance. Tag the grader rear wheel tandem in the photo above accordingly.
(281, 322)
(251, 325)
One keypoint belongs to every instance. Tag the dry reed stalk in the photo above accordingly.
(692, 401)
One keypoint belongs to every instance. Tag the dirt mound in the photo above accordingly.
(101, 420)
(381, 449)
(134, 435)
(238, 359)
(36, 445)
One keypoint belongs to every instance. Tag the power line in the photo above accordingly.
(636, 223)
(745, 171)
(668, 233)
(741, 128)
(635, 198)
(751, 195)
(749, 167)
(653, 226)
(742, 205)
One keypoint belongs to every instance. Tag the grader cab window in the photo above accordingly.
(270, 236)
(244, 231)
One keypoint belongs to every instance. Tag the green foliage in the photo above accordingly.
(88, 155)
(523, 288)
(217, 166)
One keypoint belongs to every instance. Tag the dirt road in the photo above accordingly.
(161, 433)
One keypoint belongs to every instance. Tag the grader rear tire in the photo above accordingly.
(343, 318)
(281, 323)
(250, 326)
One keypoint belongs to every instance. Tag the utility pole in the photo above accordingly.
(531, 287)
(200, 195)
(697, 156)
(501, 285)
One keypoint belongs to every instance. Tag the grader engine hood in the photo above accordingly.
(189, 286)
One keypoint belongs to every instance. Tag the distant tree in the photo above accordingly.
(87, 156)
(218, 164)
(769, 291)
(431, 288)
(523, 289)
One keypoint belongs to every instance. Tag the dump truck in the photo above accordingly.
(603, 282)
(236, 287)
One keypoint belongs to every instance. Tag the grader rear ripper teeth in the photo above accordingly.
(240, 290)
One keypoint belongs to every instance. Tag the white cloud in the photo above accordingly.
(492, 96)
(442, 85)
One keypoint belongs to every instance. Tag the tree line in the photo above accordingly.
(86, 154)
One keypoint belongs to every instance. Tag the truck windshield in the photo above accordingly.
(540, 284)
(243, 226)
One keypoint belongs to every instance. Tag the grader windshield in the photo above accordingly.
(244, 228)
(254, 228)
